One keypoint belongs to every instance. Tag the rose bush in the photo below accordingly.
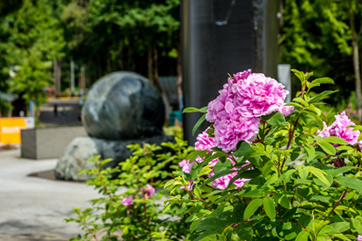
(129, 207)
(266, 170)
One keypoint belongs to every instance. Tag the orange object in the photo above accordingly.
(10, 130)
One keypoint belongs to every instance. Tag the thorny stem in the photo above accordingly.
(292, 200)
(338, 201)
(291, 134)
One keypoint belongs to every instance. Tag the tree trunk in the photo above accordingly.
(179, 78)
(356, 64)
(150, 64)
(57, 77)
(155, 70)
(358, 77)
(82, 79)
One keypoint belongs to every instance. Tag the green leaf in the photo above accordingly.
(327, 147)
(302, 236)
(324, 80)
(243, 150)
(350, 182)
(198, 123)
(336, 140)
(210, 224)
(294, 104)
(299, 75)
(245, 231)
(275, 119)
(322, 95)
(220, 166)
(197, 192)
(318, 173)
(340, 227)
(192, 155)
(217, 175)
(310, 151)
(194, 224)
(301, 101)
(205, 170)
(336, 171)
(269, 207)
(192, 110)
(284, 201)
(252, 207)
(315, 110)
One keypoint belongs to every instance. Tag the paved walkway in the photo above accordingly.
(33, 208)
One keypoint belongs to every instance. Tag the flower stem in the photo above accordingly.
(338, 201)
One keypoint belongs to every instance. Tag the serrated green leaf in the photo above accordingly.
(336, 140)
(336, 171)
(302, 236)
(322, 95)
(294, 104)
(245, 231)
(318, 173)
(324, 80)
(243, 150)
(221, 166)
(327, 147)
(315, 109)
(252, 207)
(205, 170)
(275, 119)
(350, 182)
(301, 101)
(299, 75)
(217, 175)
(269, 207)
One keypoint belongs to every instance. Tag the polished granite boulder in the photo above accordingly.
(122, 106)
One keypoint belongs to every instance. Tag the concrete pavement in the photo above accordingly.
(33, 208)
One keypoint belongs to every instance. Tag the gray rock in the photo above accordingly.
(79, 151)
(75, 158)
(123, 105)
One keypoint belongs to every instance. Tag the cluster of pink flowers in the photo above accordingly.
(236, 111)
(146, 193)
(339, 129)
(205, 142)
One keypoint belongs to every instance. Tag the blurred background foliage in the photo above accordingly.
(317, 36)
(101, 36)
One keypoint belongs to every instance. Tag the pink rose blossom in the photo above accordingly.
(339, 129)
(325, 132)
(149, 191)
(286, 110)
(223, 182)
(242, 100)
(259, 95)
(359, 238)
(128, 201)
(229, 132)
(186, 165)
(205, 142)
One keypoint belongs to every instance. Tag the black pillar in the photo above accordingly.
(221, 37)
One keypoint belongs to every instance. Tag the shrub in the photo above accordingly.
(130, 206)
(264, 170)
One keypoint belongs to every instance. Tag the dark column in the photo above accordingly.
(221, 37)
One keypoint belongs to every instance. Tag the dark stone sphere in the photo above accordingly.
(123, 105)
